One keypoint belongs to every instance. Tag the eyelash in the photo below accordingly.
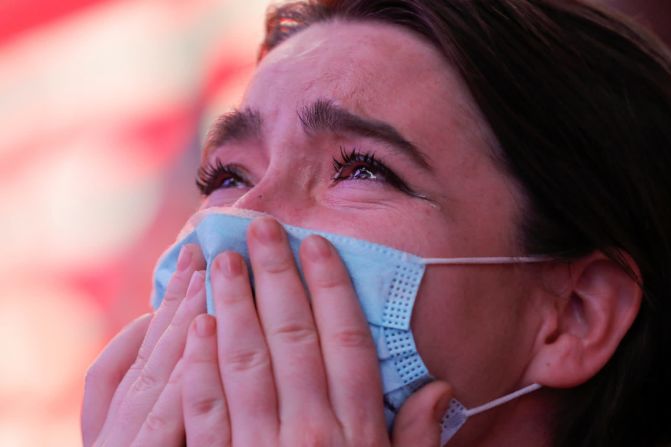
(355, 159)
(213, 177)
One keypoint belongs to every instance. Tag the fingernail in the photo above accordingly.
(228, 264)
(441, 407)
(205, 325)
(317, 248)
(184, 258)
(267, 230)
(232, 264)
(196, 284)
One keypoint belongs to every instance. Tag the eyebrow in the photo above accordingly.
(324, 116)
(320, 116)
(238, 125)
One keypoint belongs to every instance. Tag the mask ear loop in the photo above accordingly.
(487, 260)
(502, 400)
(457, 414)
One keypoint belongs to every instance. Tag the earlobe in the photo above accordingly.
(591, 310)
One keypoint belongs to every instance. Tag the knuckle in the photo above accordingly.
(204, 406)
(173, 291)
(154, 422)
(329, 280)
(197, 358)
(246, 360)
(352, 338)
(229, 297)
(209, 438)
(144, 382)
(277, 265)
(309, 435)
(296, 333)
(140, 360)
(136, 368)
(171, 297)
(176, 288)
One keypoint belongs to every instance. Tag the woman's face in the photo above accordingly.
(362, 129)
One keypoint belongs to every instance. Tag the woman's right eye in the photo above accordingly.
(219, 176)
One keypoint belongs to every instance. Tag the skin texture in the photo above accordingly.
(274, 368)
(472, 208)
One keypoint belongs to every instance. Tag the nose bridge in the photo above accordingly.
(277, 193)
(285, 188)
(258, 198)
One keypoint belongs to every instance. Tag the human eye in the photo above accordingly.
(220, 176)
(364, 166)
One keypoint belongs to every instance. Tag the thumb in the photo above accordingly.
(418, 422)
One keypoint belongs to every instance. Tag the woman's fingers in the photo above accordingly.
(190, 260)
(244, 360)
(418, 421)
(349, 352)
(288, 376)
(105, 374)
(145, 391)
(164, 425)
(287, 321)
(203, 401)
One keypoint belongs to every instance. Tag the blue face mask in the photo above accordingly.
(386, 281)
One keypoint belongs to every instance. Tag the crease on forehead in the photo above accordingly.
(421, 61)
(419, 56)
(339, 72)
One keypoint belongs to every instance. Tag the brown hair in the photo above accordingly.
(580, 104)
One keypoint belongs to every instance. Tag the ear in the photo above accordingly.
(592, 304)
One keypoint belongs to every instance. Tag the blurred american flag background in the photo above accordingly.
(103, 104)
(102, 107)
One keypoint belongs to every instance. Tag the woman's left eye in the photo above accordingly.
(362, 166)
(360, 172)
(363, 173)
(359, 166)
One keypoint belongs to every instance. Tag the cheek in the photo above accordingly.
(390, 223)
(471, 329)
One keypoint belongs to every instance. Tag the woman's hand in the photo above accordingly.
(132, 394)
(276, 369)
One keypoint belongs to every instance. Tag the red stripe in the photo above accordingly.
(222, 73)
(19, 16)
(160, 138)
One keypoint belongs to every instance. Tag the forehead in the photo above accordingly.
(373, 69)
(344, 53)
